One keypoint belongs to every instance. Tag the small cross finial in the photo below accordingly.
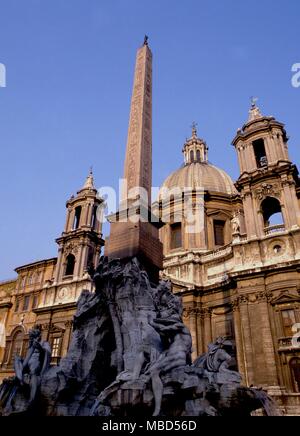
(146, 38)
(254, 100)
(194, 129)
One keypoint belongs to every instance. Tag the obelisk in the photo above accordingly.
(138, 161)
(139, 238)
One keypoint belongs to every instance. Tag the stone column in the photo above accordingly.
(66, 338)
(249, 215)
(67, 226)
(272, 155)
(201, 348)
(71, 220)
(290, 203)
(250, 158)
(267, 339)
(193, 328)
(246, 339)
(207, 327)
(239, 341)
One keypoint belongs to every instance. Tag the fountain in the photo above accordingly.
(130, 354)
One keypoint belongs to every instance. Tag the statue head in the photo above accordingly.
(35, 334)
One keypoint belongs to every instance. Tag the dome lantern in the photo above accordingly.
(195, 149)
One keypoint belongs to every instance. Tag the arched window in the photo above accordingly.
(192, 156)
(70, 265)
(295, 371)
(260, 153)
(198, 155)
(94, 217)
(271, 210)
(76, 223)
(17, 345)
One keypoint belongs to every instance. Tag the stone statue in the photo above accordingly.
(236, 225)
(216, 362)
(37, 361)
(177, 353)
(19, 394)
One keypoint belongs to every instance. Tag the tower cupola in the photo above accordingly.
(195, 149)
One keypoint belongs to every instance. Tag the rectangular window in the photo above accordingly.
(76, 223)
(17, 306)
(26, 303)
(260, 153)
(176, 236)
(219, 233)
(35, 301)
(289, 319)
(56, 347)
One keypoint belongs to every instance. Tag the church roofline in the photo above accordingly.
(8, 281)
(37, 263)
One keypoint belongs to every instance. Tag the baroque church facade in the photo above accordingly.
(238, 273)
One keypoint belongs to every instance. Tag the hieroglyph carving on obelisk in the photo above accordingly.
(138, 161)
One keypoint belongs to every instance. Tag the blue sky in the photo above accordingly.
(69, 79)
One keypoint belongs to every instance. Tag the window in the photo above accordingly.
(289, 319)
(219, 232)
(70, 265)
(198, 156)
(176, 236)
(17, 345)
(77, 218)
(17, 306)
(35, 301)
(271, 210)
(277, 249)
(260, 153)
(94, 217)
(26, 303)
(56, 347)
(30, 279)
(90, 257)
(192, 156)
(295, 370)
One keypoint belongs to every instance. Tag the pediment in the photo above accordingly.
(219, 213)
(285, 298)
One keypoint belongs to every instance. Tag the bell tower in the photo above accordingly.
(81, 241)
(268, 180)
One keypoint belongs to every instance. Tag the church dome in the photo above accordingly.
(201, 175)
(197, 172)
